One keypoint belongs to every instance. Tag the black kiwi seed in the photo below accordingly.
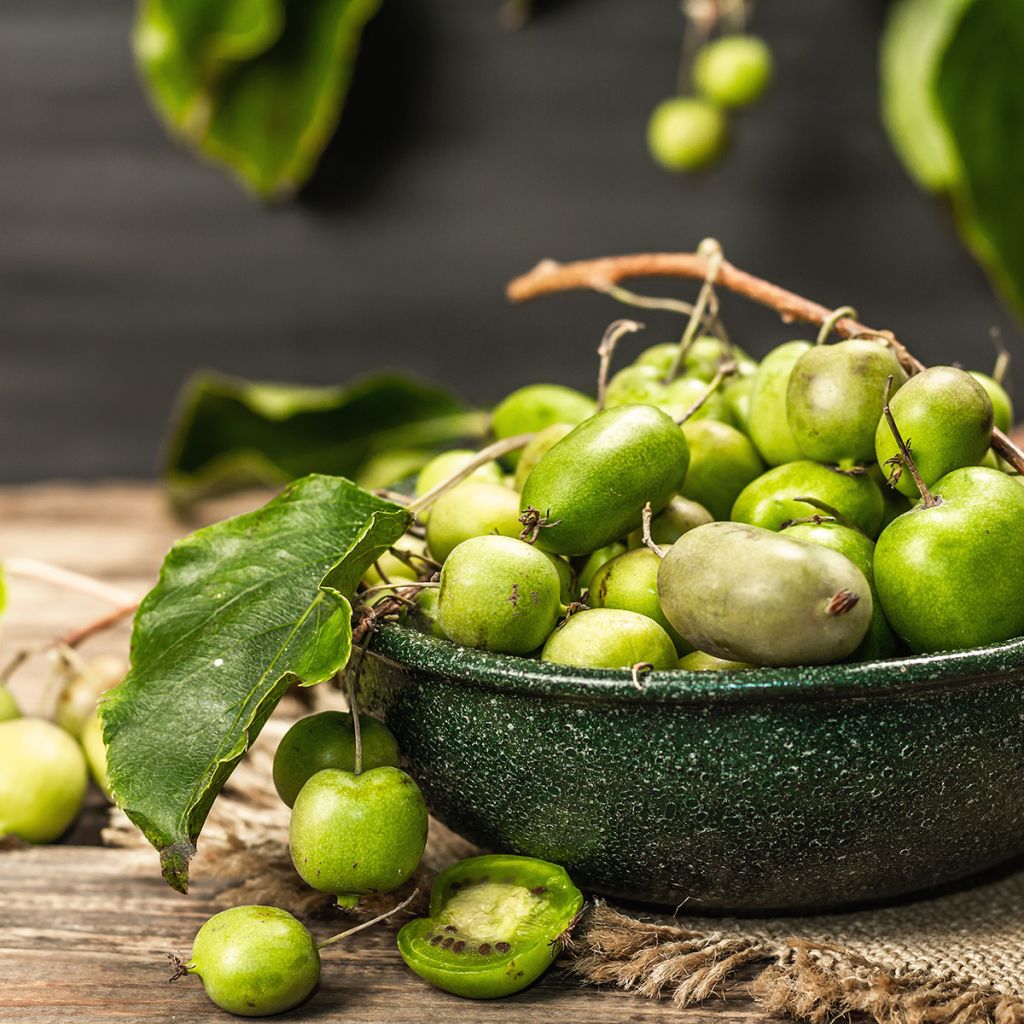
(502, 947)
(451, 929)
(485, 948)
(539, 890)
(435, 939)
(458, 947)
(447, 943)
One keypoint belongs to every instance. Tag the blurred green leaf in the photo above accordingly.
(981, 92)
(257, 85)
(232, 433)
(953, 104)
(185, 46)
(917, 33)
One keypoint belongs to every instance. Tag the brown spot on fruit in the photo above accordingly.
(842, 602)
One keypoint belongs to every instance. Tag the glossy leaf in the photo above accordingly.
(981, 96)
(257, 85)
(242, 609)
(233, 433)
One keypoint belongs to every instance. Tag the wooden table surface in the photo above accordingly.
(84, 929)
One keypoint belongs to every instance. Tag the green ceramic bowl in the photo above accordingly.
(773, 789)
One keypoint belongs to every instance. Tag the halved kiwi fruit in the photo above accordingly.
(496, 923)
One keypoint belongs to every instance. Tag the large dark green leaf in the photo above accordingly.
(242, 609)
(232, 433)
(981, 93)
(257, 85)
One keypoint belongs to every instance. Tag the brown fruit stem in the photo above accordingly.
(419, 585)
(351, 679)
(368, 924)
(711, 252)
(928, 500)
(1002, 365)
(31, 568)
(725, 369)
(833, 318)
(629, 298)
(72, 639)
(637, 671)
(831, 513)
(551, 277)
(606, 350)
(645, 531)
(485, 455)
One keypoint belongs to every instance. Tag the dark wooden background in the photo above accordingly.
(465, 155)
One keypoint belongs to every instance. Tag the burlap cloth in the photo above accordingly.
(951, 959)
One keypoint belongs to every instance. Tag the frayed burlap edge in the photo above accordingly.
(816, 982)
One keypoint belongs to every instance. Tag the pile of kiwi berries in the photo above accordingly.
(710, 512)
(358, 828)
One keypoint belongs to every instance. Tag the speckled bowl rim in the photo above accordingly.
(410, 649)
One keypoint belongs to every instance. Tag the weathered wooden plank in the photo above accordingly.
(85, 932)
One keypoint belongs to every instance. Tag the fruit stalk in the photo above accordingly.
(492, 451)
(928, 500)
(369, 924)
(606, 350)
(550, 277)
